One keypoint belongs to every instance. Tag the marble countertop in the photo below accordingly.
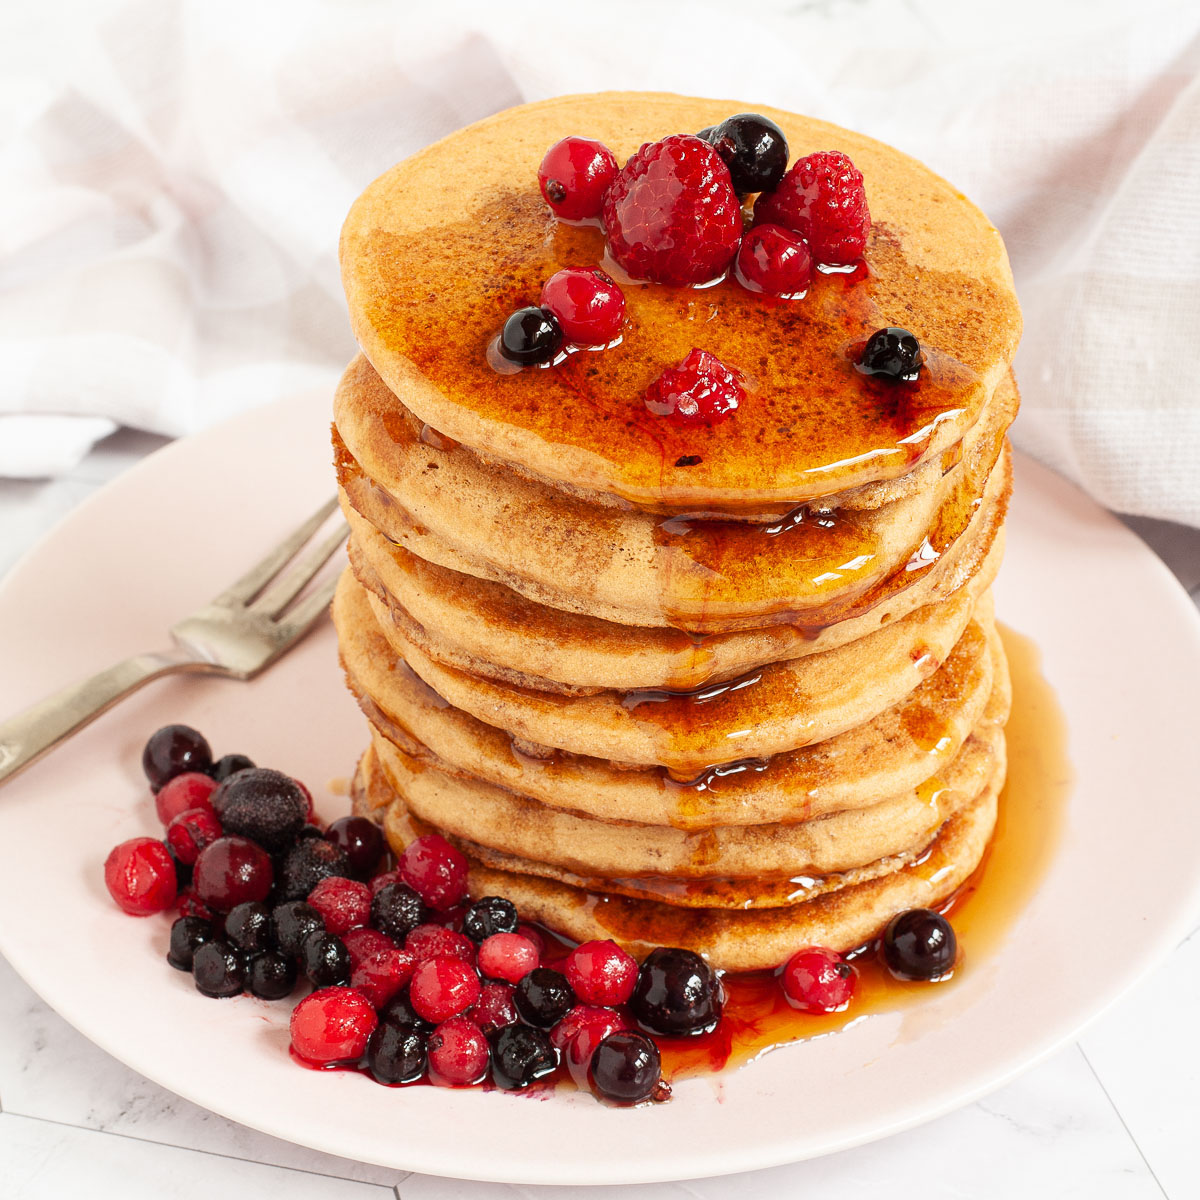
(1112, 1117)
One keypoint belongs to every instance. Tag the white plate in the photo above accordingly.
(1122, 648)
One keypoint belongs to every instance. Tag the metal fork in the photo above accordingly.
(239, 633)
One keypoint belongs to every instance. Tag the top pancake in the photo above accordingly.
(438, 251)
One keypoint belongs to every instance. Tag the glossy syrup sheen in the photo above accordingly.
(810, 424)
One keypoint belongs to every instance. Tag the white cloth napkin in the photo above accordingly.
(173, 175)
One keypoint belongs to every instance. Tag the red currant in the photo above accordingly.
(574, 176)
(140, 876)
(458, 1053)
(774, 260)
(435, 870)
(442, 988)
(588, 304)
(817, 980)
(332, 1025)
(184, 792)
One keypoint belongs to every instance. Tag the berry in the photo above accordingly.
(893, 353)
(171, 751)
(190, 832)
(601, 973)
(700, 390)
(396, 1052)
(190, 905)
(332, 1025)
(530, 933)
(230, 764)
(308, 862)
(520, 1055)
(507, 956)
(435, 870)
(185, 792)
(250, 928)
(399, 1011)
(231, 871)
(626, 1068)
(574, 176)
(578, 1034)
(676, 992)
(188, 934)
(294, 921)
(543, 997)
(326, 959)
(396, 910)
(920, 944)
(754, 149)
(588, 304)
(821, 198)
(360, 943)
(436, 941)
(380, 881)
(671, 214)
(264, 805)
(488, 915)
(817, 980)
(775, 261)
(140, 876)
(531, 336)
(219, 970)
(495, 1008)
(361, 841)
(458, 1053)
(442, 988)
(380, 974)
(344, 904)
(271, 976)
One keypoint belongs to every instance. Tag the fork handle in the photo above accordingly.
(27, 736)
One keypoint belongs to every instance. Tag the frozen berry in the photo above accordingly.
(219, 970)
(442, 988)
(495, 1008)
(308, 862)
(332, 1025)
(521, 1055)
(671, 214)
(140, 876)
(250, 928)
(399, 1011)
(271, 976)
(264, 805)
(326, 959)
(530, 336)
(458, 1053)
(821, 198)
(360, 943)
(380, 974)
(920, 944)
(626, 1068)
(436, 941)
(190, 832)
(231, 871)
(893, 353)
(817, 980)
(488, 915)
(230, 764)
(362, 842)
(701, 390)
(436, 871)
(185, 792)
(188, 934)
(544, 997)
(294, 920)
(775, 261)
(396, 910)
(507, 956)
(171, 751)
(380, 881)
(754, 149)
(344, 904)
(578, 1034)
(676, 993)
(574, 176)
(588, 304)
(601, 973)
(190, 905)
(533, 934)
(396, 1052)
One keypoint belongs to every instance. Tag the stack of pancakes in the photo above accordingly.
(734, 688)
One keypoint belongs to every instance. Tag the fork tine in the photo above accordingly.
(289, 584)
(250, 584)
(310, 610)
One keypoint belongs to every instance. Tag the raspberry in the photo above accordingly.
(458, 1053)
(380, 974)
(343, 903)
(191, 831)
(442, 988)
(589, 306)
(332, 1025)
(435, 870)
(140, 876)
(671, 215)
(574, 176)
(184, 792)
(774, 260)
(435, 941)
(508, 957)
(601, 973)
(817, 980)
(822, 198)
(702, 390)
(494, 1008)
